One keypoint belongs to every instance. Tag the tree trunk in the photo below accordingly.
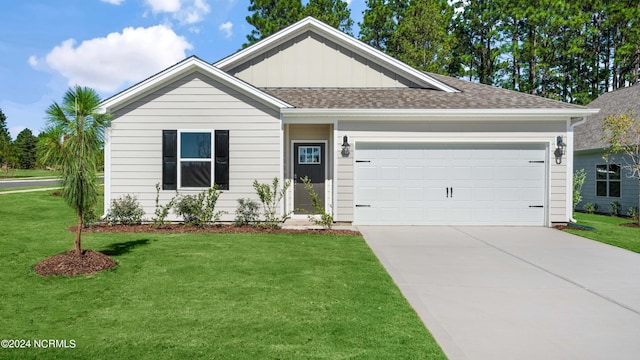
(79, 234)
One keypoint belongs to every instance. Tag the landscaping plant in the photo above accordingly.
(270, 197)
(199, 210)
(622, 133)
(82, 132)
(161, 211)
(125, 210)
(578, 180)
(614, 208)
(247, 212)
(325, 219)
(590, 208)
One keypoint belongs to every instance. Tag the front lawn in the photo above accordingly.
(609, 231)
(220, 296)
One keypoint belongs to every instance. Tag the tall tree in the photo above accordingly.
(378, 24)
(82, 130)
(7, 153)
(271, 16)
(423, 38)
(335, 13)
(26, 149)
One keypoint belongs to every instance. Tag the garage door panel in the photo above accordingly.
(492, 184)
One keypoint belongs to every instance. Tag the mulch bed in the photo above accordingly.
(216, 229)
(71, 264)
(632, 225)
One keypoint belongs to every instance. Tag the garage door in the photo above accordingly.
(419, 184)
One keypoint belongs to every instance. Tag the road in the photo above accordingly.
(22, 183)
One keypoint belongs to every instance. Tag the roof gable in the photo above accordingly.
(187, 66)
(621, 101)
(360, 52)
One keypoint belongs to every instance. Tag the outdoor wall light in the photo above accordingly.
(345, 146)
(560, 149)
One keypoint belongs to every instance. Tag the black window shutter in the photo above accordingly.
(222, 159)
(169, 159)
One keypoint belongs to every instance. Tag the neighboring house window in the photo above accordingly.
(608, 180)
(187, 157)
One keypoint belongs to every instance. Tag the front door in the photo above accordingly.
(308, 160)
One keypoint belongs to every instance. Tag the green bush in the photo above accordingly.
(590, 208)
(270, 197)
(162, 211)
(614, 208)
(125, 210)
(247, 212)
(199, 210)
(632, 212)
(325, 219)
(578, 180)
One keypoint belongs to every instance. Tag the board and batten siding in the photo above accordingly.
(588, 160)
(309, 60)
(193, 102)
(455, 132)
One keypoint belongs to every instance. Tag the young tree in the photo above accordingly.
(622, 133)
(82, 130)
(25, 145)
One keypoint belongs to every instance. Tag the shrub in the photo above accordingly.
(199, 210)
(162, 211)
(89, 218)
(632, 212)
(578, 180)
(247, 212)
(590, 208)
(270, 197)
(614, 208)
(125, 210)
(326, 219)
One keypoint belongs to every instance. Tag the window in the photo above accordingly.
(194, 158)
(309, 155)
(608, 180)
(187, 156)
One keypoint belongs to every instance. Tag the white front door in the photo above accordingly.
(427, 184)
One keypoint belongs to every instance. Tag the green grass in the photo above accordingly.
(609, 231)
(26, 173)
(223, 296)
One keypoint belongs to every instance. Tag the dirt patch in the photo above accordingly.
(71, 264)
(631, 225)
(216, 229)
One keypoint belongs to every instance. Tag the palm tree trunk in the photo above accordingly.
(78, 234)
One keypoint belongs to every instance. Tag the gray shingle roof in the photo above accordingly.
(471, 96)
(625, 100)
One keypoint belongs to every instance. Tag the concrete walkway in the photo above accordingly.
(516, 292)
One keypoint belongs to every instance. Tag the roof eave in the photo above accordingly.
(295, 114)
(184, 67)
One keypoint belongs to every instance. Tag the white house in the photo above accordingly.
(382, 142)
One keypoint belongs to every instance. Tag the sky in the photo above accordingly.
(48, 46)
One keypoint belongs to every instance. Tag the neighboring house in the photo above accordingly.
(606, 181)
(382, 142)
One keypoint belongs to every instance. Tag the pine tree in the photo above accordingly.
(271, 16)
(26, 149)
(335, 13)
(378, 24)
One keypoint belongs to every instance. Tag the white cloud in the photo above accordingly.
(227, 29)
(118, 59)
(185, 11)
(33, 61)
(113, 2)
(159, 6)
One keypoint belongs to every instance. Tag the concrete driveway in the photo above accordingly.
(515, 292)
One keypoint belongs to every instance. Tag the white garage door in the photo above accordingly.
(420, 184)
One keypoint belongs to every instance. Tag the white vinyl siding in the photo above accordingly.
(194, 101)
(309, 60)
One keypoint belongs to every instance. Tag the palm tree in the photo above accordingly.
(81, 129)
